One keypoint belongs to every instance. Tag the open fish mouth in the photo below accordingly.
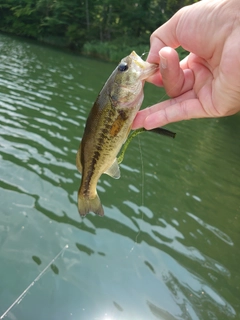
(144, 68)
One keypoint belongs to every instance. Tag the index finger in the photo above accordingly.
(164, 36)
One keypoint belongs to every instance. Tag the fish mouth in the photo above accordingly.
(147, 69)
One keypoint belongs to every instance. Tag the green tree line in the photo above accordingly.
(106, 28)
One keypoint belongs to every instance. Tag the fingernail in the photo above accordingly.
(163, 62)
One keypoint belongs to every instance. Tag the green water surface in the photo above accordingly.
(168, 246)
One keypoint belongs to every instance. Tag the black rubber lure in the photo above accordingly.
(161, 131)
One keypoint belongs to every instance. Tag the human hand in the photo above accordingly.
(207, 82)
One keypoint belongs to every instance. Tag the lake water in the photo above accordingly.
(168, 246)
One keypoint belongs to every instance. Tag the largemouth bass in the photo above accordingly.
(108, 126)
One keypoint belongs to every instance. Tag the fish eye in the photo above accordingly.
(122, 66)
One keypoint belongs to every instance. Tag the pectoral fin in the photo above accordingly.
(78, 160)
(113, 171)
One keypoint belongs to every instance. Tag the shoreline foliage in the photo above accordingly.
(106, 29)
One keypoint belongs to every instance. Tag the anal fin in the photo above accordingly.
(113, 171)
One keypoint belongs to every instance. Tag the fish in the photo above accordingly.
(108, 126)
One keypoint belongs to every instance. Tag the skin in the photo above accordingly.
(207, 82)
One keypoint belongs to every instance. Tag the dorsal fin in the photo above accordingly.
(78, 160)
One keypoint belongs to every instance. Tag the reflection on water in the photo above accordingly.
(168, 245)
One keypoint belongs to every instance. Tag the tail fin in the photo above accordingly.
(86, 205)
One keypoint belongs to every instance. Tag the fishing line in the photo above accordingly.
(142, 192)
(121, 156)
(144, 53)
(22, 295)
(142, 169)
